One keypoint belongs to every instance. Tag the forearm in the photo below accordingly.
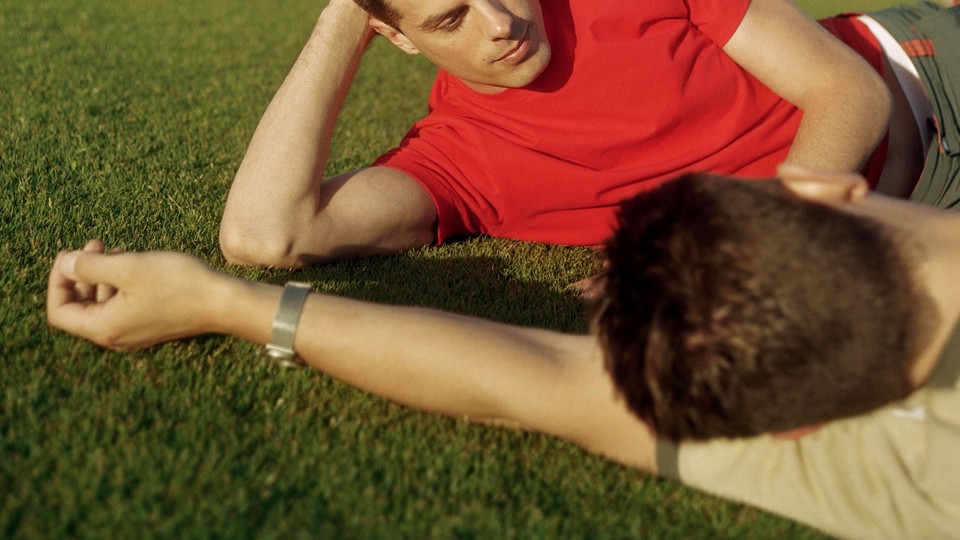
(430, 360)
(461, 367)
(839, 131)
(845, 103)
(284, 163)
(426, 359)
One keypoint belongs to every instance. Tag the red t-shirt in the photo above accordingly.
(635, 94)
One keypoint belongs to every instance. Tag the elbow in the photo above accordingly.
(246, 246)
(875, 101)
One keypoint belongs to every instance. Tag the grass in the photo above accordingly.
(126, 120)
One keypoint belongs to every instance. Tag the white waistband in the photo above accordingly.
(907, 76)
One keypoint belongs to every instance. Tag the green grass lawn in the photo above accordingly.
(125, 121)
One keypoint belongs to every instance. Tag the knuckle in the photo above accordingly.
(110, 336)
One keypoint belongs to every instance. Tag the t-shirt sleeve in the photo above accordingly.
(427, 154)
(717, 19)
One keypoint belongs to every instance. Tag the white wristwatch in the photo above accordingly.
(280, 347)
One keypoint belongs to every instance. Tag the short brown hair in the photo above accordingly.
(380, 9)
(733, 308)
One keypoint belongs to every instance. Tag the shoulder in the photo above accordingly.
(830, 478)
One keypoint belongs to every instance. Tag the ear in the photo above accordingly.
(394, 36)
(823, 186)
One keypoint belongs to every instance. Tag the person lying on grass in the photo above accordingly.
(789, 343)
(544, 116)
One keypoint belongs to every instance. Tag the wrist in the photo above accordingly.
(346, 17)
(238, 307)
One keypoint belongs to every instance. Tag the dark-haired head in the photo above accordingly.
(733, 308)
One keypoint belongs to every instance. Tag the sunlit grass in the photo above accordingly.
(125, 121)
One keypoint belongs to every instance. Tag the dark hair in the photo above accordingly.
(733, 308)
(381, 10)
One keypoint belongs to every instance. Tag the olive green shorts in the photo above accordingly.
(930, 34)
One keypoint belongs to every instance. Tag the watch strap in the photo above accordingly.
(280, 347)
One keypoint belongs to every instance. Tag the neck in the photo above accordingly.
(936, 233)
(939, 234)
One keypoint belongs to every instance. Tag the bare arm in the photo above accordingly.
(430, 360)
(846, 105)
(277, 211)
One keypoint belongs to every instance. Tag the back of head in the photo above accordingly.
(733, 308)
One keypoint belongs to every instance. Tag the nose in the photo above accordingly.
(498, 21)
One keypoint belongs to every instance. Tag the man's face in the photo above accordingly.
(489, 44)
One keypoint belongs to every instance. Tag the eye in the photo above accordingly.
(454, 22)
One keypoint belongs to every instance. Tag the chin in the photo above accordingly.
(538, 64)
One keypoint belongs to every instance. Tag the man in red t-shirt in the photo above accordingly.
(544, 117)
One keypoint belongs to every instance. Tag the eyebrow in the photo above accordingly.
(435, 21)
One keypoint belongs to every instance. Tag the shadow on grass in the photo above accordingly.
(479, 286)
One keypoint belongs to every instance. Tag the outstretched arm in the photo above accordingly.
(846, 104)
(430, 360)
(280, 212)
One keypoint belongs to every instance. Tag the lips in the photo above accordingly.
(519, 51)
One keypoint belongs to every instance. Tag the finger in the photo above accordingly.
(88, 291)
(791, 171)
(590, 288)
(95, 246)
(105, 291)
(64, 309)
(581, 285)
(96, 268)
(84, 291)
(60, 288)
(835, 189)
